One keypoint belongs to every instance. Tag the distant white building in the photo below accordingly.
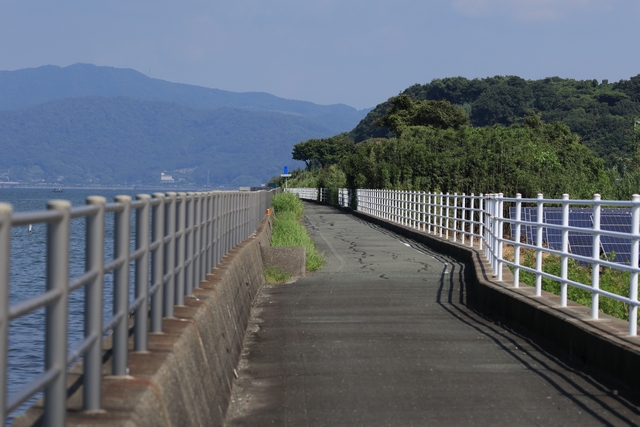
(166, 178)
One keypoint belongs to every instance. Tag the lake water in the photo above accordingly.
(27, 279)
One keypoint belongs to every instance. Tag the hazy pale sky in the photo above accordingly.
(354, 52)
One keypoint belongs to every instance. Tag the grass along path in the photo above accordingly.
(289, 231)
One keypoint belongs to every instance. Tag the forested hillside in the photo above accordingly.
(601, 113)
(28, 87)
(123, 140)
(431, 145)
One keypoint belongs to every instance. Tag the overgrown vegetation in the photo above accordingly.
(500, 134)
(288, 231)
(601, 113)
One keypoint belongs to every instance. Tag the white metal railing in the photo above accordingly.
(304, 193)
(458, 217)
(495, 240)
(344, 197)
(480, 221)
(179, 238)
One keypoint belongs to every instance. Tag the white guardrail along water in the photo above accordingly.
(179, 238)
(594, 233)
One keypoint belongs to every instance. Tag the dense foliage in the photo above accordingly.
(322, 152)
(529, 158)
(434, 149)
(601, 113)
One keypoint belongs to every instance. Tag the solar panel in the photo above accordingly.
(619, 222)
(553, 236)
(580, 243)
(611, 219)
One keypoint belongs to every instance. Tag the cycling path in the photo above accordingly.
(383, 336)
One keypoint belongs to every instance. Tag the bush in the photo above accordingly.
(287, 202)
(287, 231)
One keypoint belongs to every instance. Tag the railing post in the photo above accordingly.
(472, 226)
(157, 263)
(490, 247)
(190, 272)
(482, 220)
(494, 233)
(121, 286)
(5, 264)
(429, 216)
(196, 248)
(406, 212)
(516, 243)
(595, 254)
(56, 326)
(455, 217)
(412, 203)
(633, 291)
(169, 254)
(448, 213)
(500, 215)
(236, 219)
(93, 305)
(209, 264)
(215, 215)
(226, 224)
(486, 222)
(181, 216)
(564, 266)
(463, 212)
(142, 274)
(440, 214)
(540, 213)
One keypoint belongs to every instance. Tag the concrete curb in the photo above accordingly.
(186, 376)
(603, 344)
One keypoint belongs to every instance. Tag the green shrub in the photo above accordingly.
(287, 231)
(287, 202)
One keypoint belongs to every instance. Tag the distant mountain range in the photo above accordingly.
(85, 123)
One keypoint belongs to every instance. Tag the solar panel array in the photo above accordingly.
(613, 219)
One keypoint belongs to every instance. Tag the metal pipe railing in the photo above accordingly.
(179, 238)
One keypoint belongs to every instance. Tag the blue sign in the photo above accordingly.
(286, 170)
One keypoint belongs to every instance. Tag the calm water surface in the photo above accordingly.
(27, 279)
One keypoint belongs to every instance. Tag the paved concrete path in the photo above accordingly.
(382, 336)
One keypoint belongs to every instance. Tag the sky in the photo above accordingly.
(352, 52)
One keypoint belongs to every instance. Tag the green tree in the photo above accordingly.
(324, 152)
(439, 114)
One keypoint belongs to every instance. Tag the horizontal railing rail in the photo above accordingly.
(178, 238)
(480, 221)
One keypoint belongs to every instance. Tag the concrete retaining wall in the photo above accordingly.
(603, 343)
(186, 376)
